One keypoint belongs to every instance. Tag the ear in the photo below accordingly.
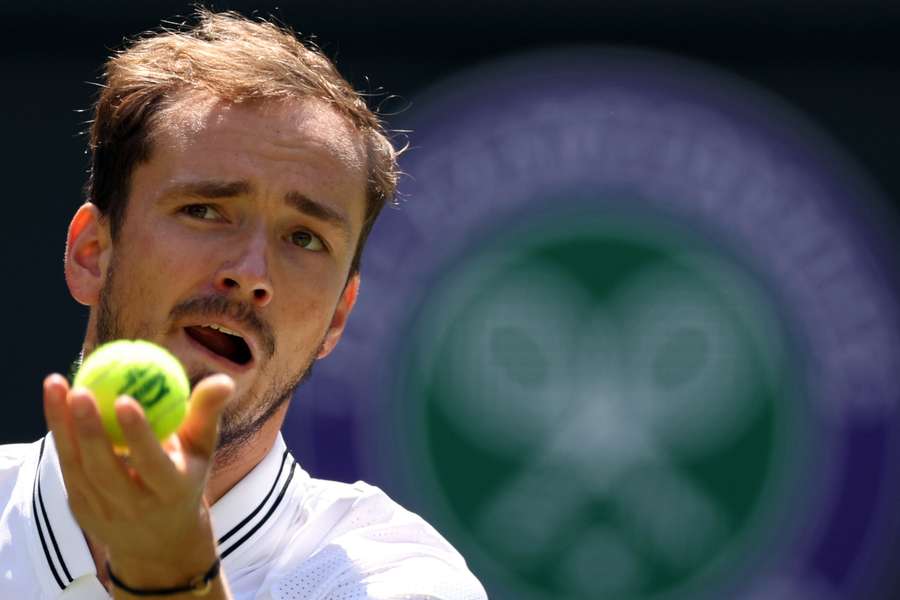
(87, 252)
(339, 320)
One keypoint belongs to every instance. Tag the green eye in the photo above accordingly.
(201, 211)
(307, 240)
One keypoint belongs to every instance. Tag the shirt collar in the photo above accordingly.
(60, 542)
(253, 505)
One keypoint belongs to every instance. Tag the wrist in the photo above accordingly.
(210, 581)
(200, 585)
(172, 562)
(181, 568)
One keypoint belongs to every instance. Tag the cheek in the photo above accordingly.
(149, 269)
(163, 253)
(304, 322)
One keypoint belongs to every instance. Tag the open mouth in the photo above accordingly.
(221, 341)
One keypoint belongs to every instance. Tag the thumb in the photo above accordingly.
(200, 431)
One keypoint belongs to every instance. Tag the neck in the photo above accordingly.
(230, 465)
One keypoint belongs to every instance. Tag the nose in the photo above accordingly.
(246, 274)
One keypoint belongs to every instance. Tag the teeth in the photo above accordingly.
(222, 329)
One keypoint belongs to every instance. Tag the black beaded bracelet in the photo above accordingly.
(199, 586)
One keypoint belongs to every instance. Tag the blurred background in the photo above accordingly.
(633, 332)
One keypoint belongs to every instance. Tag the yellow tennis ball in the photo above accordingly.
(148, 373)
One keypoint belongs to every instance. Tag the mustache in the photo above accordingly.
(220, 306)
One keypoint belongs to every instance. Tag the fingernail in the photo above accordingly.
(125, 417)
(80, 406)
(53, 396)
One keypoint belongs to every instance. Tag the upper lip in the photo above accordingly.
(234, 326)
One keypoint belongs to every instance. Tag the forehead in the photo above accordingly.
(300, 130)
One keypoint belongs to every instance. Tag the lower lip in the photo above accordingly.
(226, 364)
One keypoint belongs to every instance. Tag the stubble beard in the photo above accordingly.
(244, 416)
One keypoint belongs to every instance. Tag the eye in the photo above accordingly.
(203, 212)
(307, 241)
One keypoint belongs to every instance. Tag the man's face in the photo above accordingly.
(244, 221)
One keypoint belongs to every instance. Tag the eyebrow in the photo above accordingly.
(319, 211)
(230, 189)
(211, 189)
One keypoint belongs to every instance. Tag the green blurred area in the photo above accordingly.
(743, 477)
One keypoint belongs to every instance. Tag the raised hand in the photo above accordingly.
(146, 510)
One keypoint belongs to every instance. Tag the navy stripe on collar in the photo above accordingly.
(38, 497)
(237, 528)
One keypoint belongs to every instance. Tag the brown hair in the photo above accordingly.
(233, 58)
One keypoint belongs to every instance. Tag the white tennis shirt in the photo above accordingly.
(282, 536)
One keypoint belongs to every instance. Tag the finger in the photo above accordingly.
(86, 508)
(102, 469)
(148, 458)
(200, 430)
(59, 421)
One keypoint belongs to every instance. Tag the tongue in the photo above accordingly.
(220, 343)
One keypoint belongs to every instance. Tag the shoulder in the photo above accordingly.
(362, 516)
(18, 464)
(13, 455)
(373, 548)
(12, 458)
(356, 506)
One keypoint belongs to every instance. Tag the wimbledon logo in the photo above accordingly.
(634, 336)
(606, 413)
